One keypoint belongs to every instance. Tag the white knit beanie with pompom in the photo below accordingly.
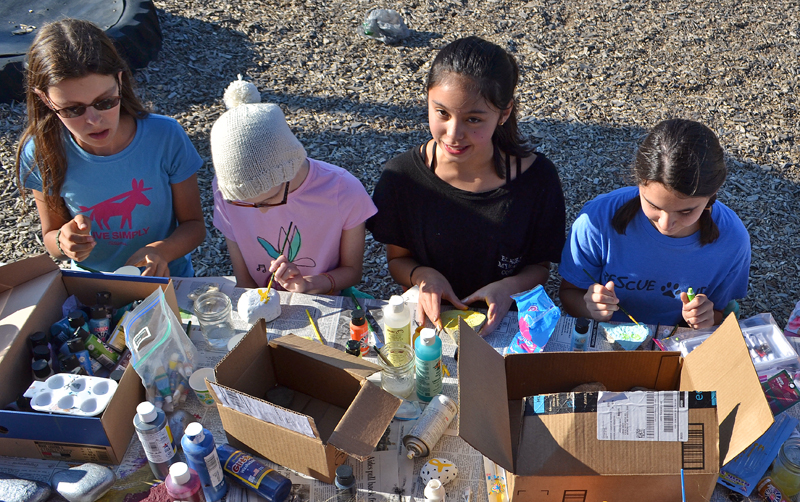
(252, 147)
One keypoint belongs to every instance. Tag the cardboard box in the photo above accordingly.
(31, 294)
(334, 411)
(558, 457)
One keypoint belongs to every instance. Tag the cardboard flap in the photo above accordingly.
(313, 349)
(722, 363)
(483, 398)
(365, 421)
(16, 273)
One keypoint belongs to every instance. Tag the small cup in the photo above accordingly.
(213, 311)
(198, 384)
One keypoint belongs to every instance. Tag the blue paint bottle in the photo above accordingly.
(428, 362)
(77, 348)
(201, 455)
(254, 475)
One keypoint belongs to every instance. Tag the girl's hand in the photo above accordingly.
(601, 301)
(698, 313)
(288, 275)
(498, 298)
(75, 240)
(433, 287)
(153, 262)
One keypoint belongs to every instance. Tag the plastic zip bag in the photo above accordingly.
(386, 25)
(161, 352)
(538, 316)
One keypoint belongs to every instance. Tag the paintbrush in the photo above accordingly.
(285, 241)
(618, 305)
(372, 324)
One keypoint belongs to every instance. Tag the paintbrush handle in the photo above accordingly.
(285, 241)
(618, 305)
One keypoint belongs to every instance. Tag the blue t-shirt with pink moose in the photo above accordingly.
(128, 195)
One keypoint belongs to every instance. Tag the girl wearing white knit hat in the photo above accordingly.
(267, 192)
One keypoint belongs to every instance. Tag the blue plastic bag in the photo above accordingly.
(538, 316)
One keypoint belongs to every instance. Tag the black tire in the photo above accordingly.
(136, 33)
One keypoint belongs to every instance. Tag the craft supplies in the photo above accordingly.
(183, 484)
(213, 311)
(345, 483)
(428, 364)
(156, 437)
(78, 349)
(430, 426)
(450, 319)
(41, 370)
(537, 317)
(397, 377)
(786, 468)
(618, 305)
(353, 347)
(252, 474)
(397, 321)
(580, 333)
(690, 294)
(434, 491)
(285, 241)
(201, 455)
(198, 384)
(359, 330)
(769, 492)
(100, 322)
(626, 336)
(316, 329)
(255, 304)
(438, 468)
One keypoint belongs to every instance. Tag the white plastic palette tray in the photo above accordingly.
(72, 394)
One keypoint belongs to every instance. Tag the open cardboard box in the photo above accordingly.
(333, 410)
(32, 292)
(559, 456)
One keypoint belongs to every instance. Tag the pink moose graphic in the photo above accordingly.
(103, 211)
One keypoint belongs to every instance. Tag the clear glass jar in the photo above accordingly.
(213, 311)
(786, 468)
(397, 379)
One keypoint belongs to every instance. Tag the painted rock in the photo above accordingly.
(438, 468)
(626, 336)
(256, 303)
(85, 483)
(13, 489)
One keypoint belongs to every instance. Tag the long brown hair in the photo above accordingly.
(685, 156)
(66, 49)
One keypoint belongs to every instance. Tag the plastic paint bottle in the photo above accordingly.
(77, 348)
(156, 437)
(580, 333)
(428, 361)
(201, 455)
(70, 364)
(41, 370)
(345, 484)
(353, 347)
(254, 475)
(42, 338)
(359, 330)
(430, 426)
(434, 490)
(99, 323)
(397, 321)
(183, 484)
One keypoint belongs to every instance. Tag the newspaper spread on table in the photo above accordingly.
(388, 474)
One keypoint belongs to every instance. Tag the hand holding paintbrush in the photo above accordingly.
(605, 303)
(285, 241)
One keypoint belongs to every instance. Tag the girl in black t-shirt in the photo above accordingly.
(474, 214)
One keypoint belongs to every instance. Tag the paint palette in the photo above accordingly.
(69, 394)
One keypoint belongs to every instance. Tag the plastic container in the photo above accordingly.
(397, 379)
(359, 330)
(252, 474)
(41, 370)
(397, 321)
(99, 322)
(201, 455)
(580, 333)
(353, 347)
(213, 311)
(428, 362)
(78, 349)
(786, 468)
(156, 437)
(345, 483)
(183, 484)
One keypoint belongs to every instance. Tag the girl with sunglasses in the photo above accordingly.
(113, 184)
(279, 210)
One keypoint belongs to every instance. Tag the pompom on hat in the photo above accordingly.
(252, 147)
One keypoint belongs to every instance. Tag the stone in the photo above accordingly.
(440, 469)
(85, 483)
(14, 489)
(255, 304)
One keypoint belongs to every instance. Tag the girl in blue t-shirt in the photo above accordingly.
(107, 195)
(647, 245)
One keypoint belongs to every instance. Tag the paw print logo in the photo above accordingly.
(671, 290)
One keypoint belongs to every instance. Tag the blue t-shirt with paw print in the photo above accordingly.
(649, 270)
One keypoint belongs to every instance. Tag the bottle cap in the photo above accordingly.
(146, 411)
(344, 475)
(427, 336)
(116, 375)
(41, 352)
(99, 312)
(179, 472)
(397, 303)
(353, 347)
(357, 318)
(195, 432)
(41, 369)
(82, 334)
(69, 363)
(582, 325)
(76, 319)
(103, 298)
(39, 338)
(75, 345)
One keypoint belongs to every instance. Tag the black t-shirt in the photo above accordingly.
(473, 239)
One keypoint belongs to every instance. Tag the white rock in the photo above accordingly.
(438, 468)
(252, 306)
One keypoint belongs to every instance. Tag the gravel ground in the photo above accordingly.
(595, 77)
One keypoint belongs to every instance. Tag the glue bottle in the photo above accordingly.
(397, 321)
(359, 330)
(428, 362)
(580, 333)
(252, 474)
(153, 430)
(183, 484)
(201, 455)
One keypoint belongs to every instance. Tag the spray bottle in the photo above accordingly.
(201, 455)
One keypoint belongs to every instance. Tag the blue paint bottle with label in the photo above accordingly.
(254, 475)
(201, 455)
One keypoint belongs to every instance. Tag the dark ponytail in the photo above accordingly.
(686, 157)
(494, 74)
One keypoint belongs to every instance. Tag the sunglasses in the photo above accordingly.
(73, 112)
(256, 205)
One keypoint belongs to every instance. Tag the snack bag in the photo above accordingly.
(538, 317)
